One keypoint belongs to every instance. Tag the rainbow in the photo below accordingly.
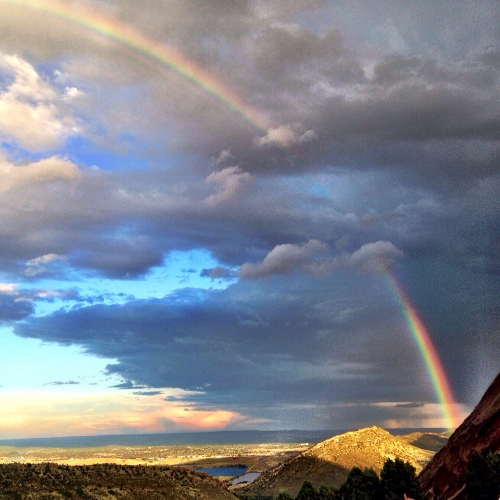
(152, 49)
(433, 365)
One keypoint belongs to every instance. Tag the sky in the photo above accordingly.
(205, 208)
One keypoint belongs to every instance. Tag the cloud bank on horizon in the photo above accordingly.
(223, 273)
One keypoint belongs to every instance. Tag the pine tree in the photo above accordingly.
(327, 492)
(398, 478)
(307, 492)
(359, 485)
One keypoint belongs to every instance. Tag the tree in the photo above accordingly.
(307, 492)
(327, 492)
(482, 477)
(284, 495)
(398, 478)
(359, 485)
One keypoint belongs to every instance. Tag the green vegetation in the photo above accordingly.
(396, 479)
(106, 482)
(307, 492)
(483, 477)
(360, 485)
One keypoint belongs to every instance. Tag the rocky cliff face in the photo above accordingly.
(444, 476)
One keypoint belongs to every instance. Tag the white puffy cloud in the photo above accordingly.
(284, 259)
(8, 288)
(375, 257)
(229, 183)
(46, 170)
(285, 136)
(31, 110)
(39, 264)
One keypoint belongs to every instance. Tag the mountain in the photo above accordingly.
(444, 476)
(432, 441)
(329, 461)
(369, 447)
(48, 481)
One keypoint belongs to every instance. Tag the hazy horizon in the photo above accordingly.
(251, 436)
(257, 214)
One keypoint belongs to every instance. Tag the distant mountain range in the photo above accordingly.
(184, 438)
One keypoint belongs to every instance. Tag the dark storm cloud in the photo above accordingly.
(121, 257)
(17, 304)
(13, 309)
(128, 384)
(218, 272)
(147, 393)
(288, 345)
(173, 398)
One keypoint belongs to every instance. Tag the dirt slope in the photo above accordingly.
(106, 482)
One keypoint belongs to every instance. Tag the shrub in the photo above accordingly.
(284, 495)
(482, 477)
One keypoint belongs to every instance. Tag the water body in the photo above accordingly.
(188, 438)
(246, 478)
(223, 471)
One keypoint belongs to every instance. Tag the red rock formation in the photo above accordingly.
(443, 478)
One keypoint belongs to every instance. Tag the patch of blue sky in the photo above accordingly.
(30, 364)
(6, 79)
(18, 154)
(181, 269)
(84, 152)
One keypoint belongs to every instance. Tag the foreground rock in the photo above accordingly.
(106, 481)
(444, 477)
(329, 462)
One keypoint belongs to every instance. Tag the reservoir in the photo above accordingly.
(246, 478)
(223, 471)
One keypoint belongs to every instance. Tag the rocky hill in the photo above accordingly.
(444, 476)
(369, 447)
(329, 462)
(106, 482)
